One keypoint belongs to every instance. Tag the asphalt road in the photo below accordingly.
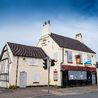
(41, 92)
(86, 95)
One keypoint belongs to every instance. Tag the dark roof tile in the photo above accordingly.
(70, 43)
(26, 51)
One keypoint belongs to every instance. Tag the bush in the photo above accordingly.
(55, 86)
(12, 87)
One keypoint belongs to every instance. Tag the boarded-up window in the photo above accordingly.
(69, 56)
(4, 77)
(36, 77)
(55, 56)
(4, 66)
(55, 75)
(32, 61)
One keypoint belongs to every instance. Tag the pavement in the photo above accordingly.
(36, 92)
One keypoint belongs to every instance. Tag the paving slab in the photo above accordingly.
(36, 92)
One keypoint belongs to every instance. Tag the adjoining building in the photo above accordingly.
(97, 64)
(22, 66)
(97, 71)
(76, 62)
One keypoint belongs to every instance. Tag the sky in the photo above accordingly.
(21, 20)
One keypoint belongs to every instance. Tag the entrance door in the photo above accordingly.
(93, 78)
(89, 78)
(23, 79)
(64, 78)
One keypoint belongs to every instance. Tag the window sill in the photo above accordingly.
(79, 63)
(70, 62)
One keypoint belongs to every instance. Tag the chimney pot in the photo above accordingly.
(46, 30)
(79, 37)
(45, 23)
(48, 21)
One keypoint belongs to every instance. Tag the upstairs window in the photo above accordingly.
(88, 60)
(55, 56)
(79, 59)
(69, 56)
(32, 61)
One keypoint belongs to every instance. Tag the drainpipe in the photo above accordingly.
(60, 66)
(62, 55)
(96, 74)
(17, 69)
(62, 58)
(8, 65)
(8, 68)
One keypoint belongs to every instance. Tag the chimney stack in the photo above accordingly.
(46, 29)
(79, 37)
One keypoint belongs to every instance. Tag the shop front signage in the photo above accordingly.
(77, 68)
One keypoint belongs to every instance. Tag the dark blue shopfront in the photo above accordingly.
(78, 76)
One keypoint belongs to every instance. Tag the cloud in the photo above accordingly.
(26, 33)
(21, 22)
(88, 28)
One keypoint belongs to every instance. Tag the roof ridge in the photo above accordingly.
(26, 51)
(71, 39)
(24, 45)
(64, 36)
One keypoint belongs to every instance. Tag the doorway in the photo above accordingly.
(93, 79)
(23, 79)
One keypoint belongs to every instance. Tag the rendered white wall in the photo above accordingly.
(30, 69)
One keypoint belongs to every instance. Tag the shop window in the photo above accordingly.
(77, 75)
(69, 56)
(78, 59)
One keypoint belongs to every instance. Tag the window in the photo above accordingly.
(4, 77)
(89, 57)
(36, 77)
(79, 59)
(4, 66)
(77, 75)
(88, 60)
(32, 61)
(55, 75)
(69, 56)
(55, 56)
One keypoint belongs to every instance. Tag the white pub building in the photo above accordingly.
(76, 62)
(22, 65)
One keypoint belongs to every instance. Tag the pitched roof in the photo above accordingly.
(70, 43)
(26, 51)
